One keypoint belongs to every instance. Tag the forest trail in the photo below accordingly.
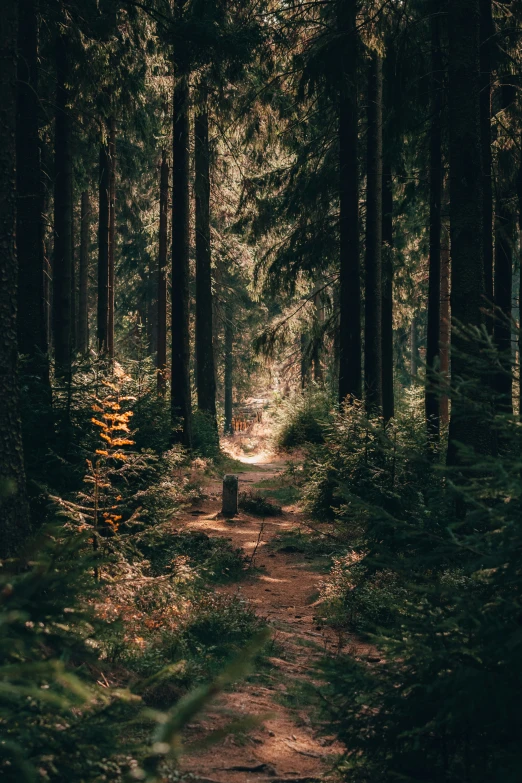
(286, 746)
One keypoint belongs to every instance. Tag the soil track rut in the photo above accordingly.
(285, 747)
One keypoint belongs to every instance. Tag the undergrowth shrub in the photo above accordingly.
(204, 435)
(257, 504)
(434, 579)
(303, 419)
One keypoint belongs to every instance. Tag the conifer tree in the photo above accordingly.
(14, 513)
(161, 353)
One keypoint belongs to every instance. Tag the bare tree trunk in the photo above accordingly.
(388, 400)
(32, 333)
(205, 372)
(62, 261)
(445, 325)
(74, 291)
(180, 368)
(318, 340)
(350, 350)
(83, 314)
(373, 264)
(466, 215)
(14, 512)
(103, 250)
(504, 241)
(432, 398)
(112, 235)
(229, 365)
(414, 348)
(161, 354)
(487, 29)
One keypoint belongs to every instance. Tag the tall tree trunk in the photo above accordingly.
(414, 348)
(180, 366)
(486, 46)
(504, 241)
(32, 334)
(432, 399)
(83, 310)
(74, 276)
(103, 249)
(388, 400)
(467, 246)
(318, 340)
(14, 512)
(373, 261)
(112, 235)
(519, 206)
(161, 354)
(205, 372)
(445, 324)
(62, 261)
(350, 380)
(305, 361)
(229, 365)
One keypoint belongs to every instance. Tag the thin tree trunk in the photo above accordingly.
(62, 261)
(229, 365)
(318, 340)
(445, 325)
(432, 399)
(486, 46)
(373, 262)
(305, 361)
(504, 236)
(112, 235)
(180, 367)
(519, 194)
(74, 291)
(414, 348)
(205, 372)
(14, 512)
(161, 354)
(103, 249)
(350, 380)
(467, 245)
(83, 313)
(388, 400)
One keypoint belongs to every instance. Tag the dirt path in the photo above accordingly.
(285, 747)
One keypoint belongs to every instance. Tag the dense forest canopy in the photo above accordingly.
(266, 235)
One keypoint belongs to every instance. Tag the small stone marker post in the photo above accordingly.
(230, 486)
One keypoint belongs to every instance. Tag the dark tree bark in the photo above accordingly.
(306, 364)
(373, 261)
(350, 380)
(74, 277)
(14, 512)
(388, 399)
(161, 354)
(112, 235)
(32, 333)
(466, 217)
(519, 194)
(83, 310)
(445, 324)
(180, 367)
(414, 348)
(103, 250)
(318, 340)
(62, 260)
(229, 365)
(205, 371)
(486, 47)
(504, 242)
(432, 398)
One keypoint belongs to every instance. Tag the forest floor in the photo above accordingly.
(288, 744)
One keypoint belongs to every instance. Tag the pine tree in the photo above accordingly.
(161, 354)
(62, 258)
(14, 513)
(350, 349)
(373, 260)
(83, 312)
(205, 375)
(103, 249)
